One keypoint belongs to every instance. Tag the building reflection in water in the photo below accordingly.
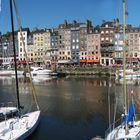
(74, 101)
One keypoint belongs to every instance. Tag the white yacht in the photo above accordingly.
(130, 74)
(40, 71)
(19, 128)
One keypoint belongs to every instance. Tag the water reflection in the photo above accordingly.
(72, 107)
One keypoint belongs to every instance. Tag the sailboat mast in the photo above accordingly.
(14, 49)
(124, 60)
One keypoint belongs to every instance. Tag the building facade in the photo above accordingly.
(107, 43)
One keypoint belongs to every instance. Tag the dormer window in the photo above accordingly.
(106, 25)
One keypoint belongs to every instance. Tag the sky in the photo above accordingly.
(51, 13)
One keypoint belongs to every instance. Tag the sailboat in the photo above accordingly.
(129, 128)
(7, 110)
(21, 126)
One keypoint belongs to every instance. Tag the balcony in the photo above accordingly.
(107, 49)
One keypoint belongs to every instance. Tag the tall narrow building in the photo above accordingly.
(22, 44)
(107, 43)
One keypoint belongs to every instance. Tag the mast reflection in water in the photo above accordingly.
(73, 108)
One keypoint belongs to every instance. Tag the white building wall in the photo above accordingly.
(22, 44)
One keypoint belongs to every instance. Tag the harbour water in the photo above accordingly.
(73, 108)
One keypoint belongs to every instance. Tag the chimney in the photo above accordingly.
(74, 23)
(89, 23)
(65, 24)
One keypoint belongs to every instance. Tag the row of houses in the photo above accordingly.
(73, 43)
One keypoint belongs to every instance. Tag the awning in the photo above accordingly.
(21, 62)
(83, 61)
(63, 61)
(89, 61)
(24, 62)
(132, 60)
(93, 61)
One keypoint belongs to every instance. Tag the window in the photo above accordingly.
(106, 25)
(73, 40)
(102, 32)
(73, 47)
(106, 32)
(136, 35)
(111, 32)
(77, 47)
(102, 61)
(131, 36)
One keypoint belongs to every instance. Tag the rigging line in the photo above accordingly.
(115, 109)
(28, 67)
(109, 116)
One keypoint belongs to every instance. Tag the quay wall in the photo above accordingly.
(107, 71)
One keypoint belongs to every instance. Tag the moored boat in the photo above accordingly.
(20, 126)
(40, 71)
(130, 74)
(129, 126)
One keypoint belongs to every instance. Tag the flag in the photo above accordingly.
(130, 115)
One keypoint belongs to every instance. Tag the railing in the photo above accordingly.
(107, 49)
(9, 104)
(116, 124)
(112, 127)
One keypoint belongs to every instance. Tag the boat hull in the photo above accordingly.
(130, 74)
(119, 132)
(21, 127)
(31, 130)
